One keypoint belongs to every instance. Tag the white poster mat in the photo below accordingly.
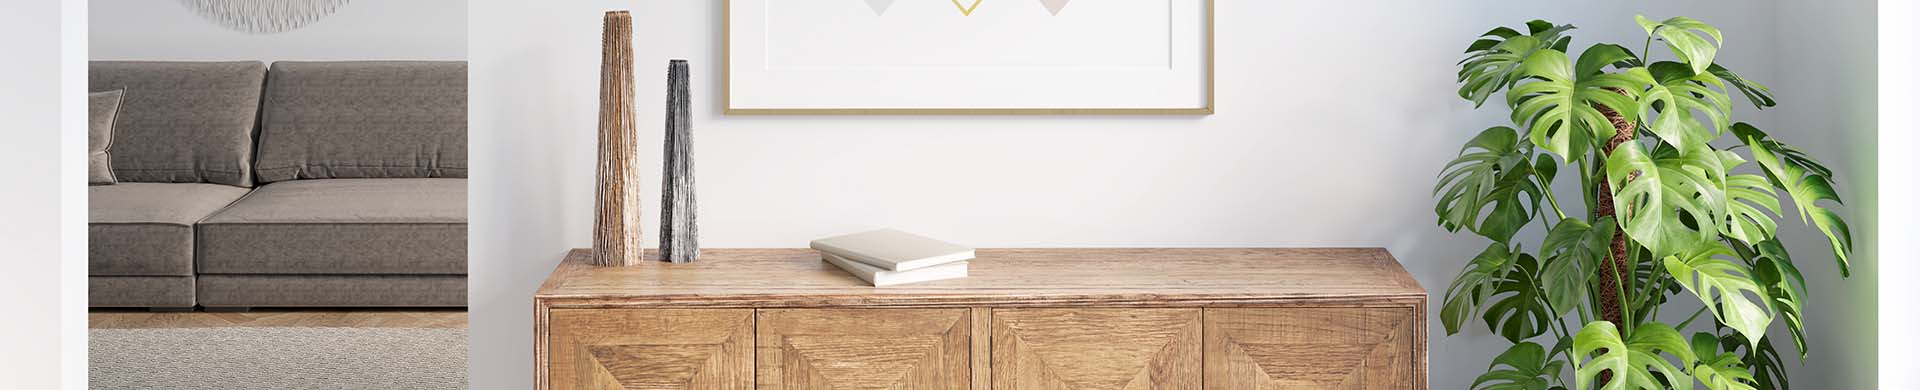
(850, 56)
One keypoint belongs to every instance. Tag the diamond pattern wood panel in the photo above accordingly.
(1309, 348)
(863, 349)
(1096, 349)
(653, 349)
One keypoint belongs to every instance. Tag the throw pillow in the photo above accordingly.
(102, 110)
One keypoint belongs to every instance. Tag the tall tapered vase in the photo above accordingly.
(616, 210)
(679, 232)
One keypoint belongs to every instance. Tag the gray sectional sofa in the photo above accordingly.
(310, 184)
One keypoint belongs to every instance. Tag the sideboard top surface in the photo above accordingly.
(798, 278)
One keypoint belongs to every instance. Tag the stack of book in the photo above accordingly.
(888, 257)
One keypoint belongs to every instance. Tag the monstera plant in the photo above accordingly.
(1681, 205)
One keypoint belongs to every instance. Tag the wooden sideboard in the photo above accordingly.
(1079, 319)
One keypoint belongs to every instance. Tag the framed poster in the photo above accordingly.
(969, 57)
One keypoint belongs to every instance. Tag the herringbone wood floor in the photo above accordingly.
(358, 318)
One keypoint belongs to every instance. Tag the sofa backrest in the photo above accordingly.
(365, 119)
(182, 121)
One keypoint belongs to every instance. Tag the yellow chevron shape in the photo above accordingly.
(966, 10)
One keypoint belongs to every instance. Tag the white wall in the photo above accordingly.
(360, 30)
(42, 241)
(1898, 89)
(1826, 81)
(1334, 118)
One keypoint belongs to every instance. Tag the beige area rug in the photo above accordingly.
(277, 358)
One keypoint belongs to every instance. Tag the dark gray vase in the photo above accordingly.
(679, 232)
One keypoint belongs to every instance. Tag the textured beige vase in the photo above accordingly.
(616, 209)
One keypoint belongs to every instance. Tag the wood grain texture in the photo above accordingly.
(708, 349)
(679, 222)
(125, 319)
(1079, 349)
(863, 349)
(1026, 318)
(1310, 348)
(616, 206)
(982, 344)
(998, 277)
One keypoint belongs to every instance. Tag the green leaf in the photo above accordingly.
(1517, 311)
(1806, 181)
(1764, 362)
(1758, 94)
(1556, 102)
(1683, 35)
(1677, 98)
(1786, 289)
(1636, 362)
(1474, 285)
(1752, 209)
(1726, 287)
(1667, 201)
(1527, 368)
(1492, 59)
(1717, 370)
(1573, 250)
(1491, 173)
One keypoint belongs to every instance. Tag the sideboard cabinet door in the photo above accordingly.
(1310, 348)
(695, 349)
(851, 349)
(1097, 348)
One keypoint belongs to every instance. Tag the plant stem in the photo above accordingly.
(1548, 188)
(1696, 315)
(1644, 55)
(1655, 284)
(1558, 325)
(1626, 313)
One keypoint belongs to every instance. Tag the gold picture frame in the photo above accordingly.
(726, 90)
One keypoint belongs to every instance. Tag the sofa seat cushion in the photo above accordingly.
(341, 226)
(332, 290)
(146, 229)
(140, 291)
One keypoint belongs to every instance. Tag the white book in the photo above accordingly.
(880, 278)
(893, 250)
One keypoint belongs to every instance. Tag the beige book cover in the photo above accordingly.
(893, 250)
(881, 278)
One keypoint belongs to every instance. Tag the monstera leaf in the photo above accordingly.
(1677, 98)
(1636, 362)
(1726, 287)
(1718, 370)
(1668, 201)
(1491, 172)
(1556, 101)
(1684, 36)
(1763, 362)
(1786, 289)
(1758, 94)
(1804, 180)
(1474, 285)
(1517, 311)
(1528, 367)
(1492, 59)
(1751, 209)
(1573, 250)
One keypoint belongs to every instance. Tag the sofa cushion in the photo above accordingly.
(332, 290)
(102, 108)
(381, 119)
(147, 228)
(341, 226)
(183, 121)
(140, 291)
